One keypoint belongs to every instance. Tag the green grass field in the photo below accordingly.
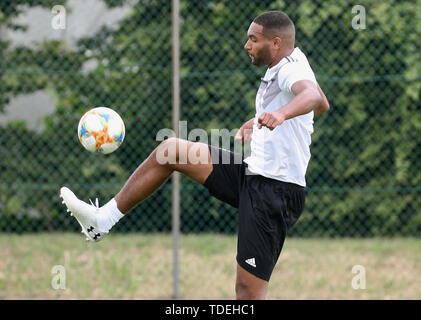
(139, 266)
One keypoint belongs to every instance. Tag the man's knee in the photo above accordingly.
(242, 290)
(170, 152)
(247, 291)
(248, 286)
(174, 152)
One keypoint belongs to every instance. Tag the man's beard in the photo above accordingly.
(264, 57)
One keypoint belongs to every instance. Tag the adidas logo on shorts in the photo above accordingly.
(251, 262)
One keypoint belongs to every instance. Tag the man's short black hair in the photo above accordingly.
(274, 20)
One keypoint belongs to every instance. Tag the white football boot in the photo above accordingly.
(84, 213)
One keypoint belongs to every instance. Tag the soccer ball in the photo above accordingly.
(101, 130)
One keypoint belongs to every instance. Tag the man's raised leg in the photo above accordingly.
(190, 158)
(171, 155)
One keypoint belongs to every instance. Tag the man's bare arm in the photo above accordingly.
(244, 133)
(324, 106)
(306, 99)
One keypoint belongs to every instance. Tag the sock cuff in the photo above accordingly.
(115, 212)
(109, 215)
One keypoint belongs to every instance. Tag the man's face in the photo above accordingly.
(258, 46)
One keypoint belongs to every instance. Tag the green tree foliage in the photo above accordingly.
(363, 177)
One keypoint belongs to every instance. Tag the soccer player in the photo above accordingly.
(268, 187)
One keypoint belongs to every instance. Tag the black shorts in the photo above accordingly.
(267, 209)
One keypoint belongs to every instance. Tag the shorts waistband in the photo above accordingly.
(285, 184)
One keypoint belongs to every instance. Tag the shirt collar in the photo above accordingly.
(270, 72)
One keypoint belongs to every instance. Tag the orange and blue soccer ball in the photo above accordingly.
(101, 130)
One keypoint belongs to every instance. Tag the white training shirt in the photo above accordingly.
(283, 153)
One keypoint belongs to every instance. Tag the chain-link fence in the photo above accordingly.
(364, 175)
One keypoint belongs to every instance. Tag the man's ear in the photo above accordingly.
(277, 42)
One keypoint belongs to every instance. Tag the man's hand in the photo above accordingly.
(245, 132)
(270, 119)
(307, 97)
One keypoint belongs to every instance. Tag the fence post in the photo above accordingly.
(175, 121)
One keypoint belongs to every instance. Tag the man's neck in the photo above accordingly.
(281, 55)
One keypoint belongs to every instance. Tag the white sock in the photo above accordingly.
(108, 216)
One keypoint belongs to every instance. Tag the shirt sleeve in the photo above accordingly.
(293, 72)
